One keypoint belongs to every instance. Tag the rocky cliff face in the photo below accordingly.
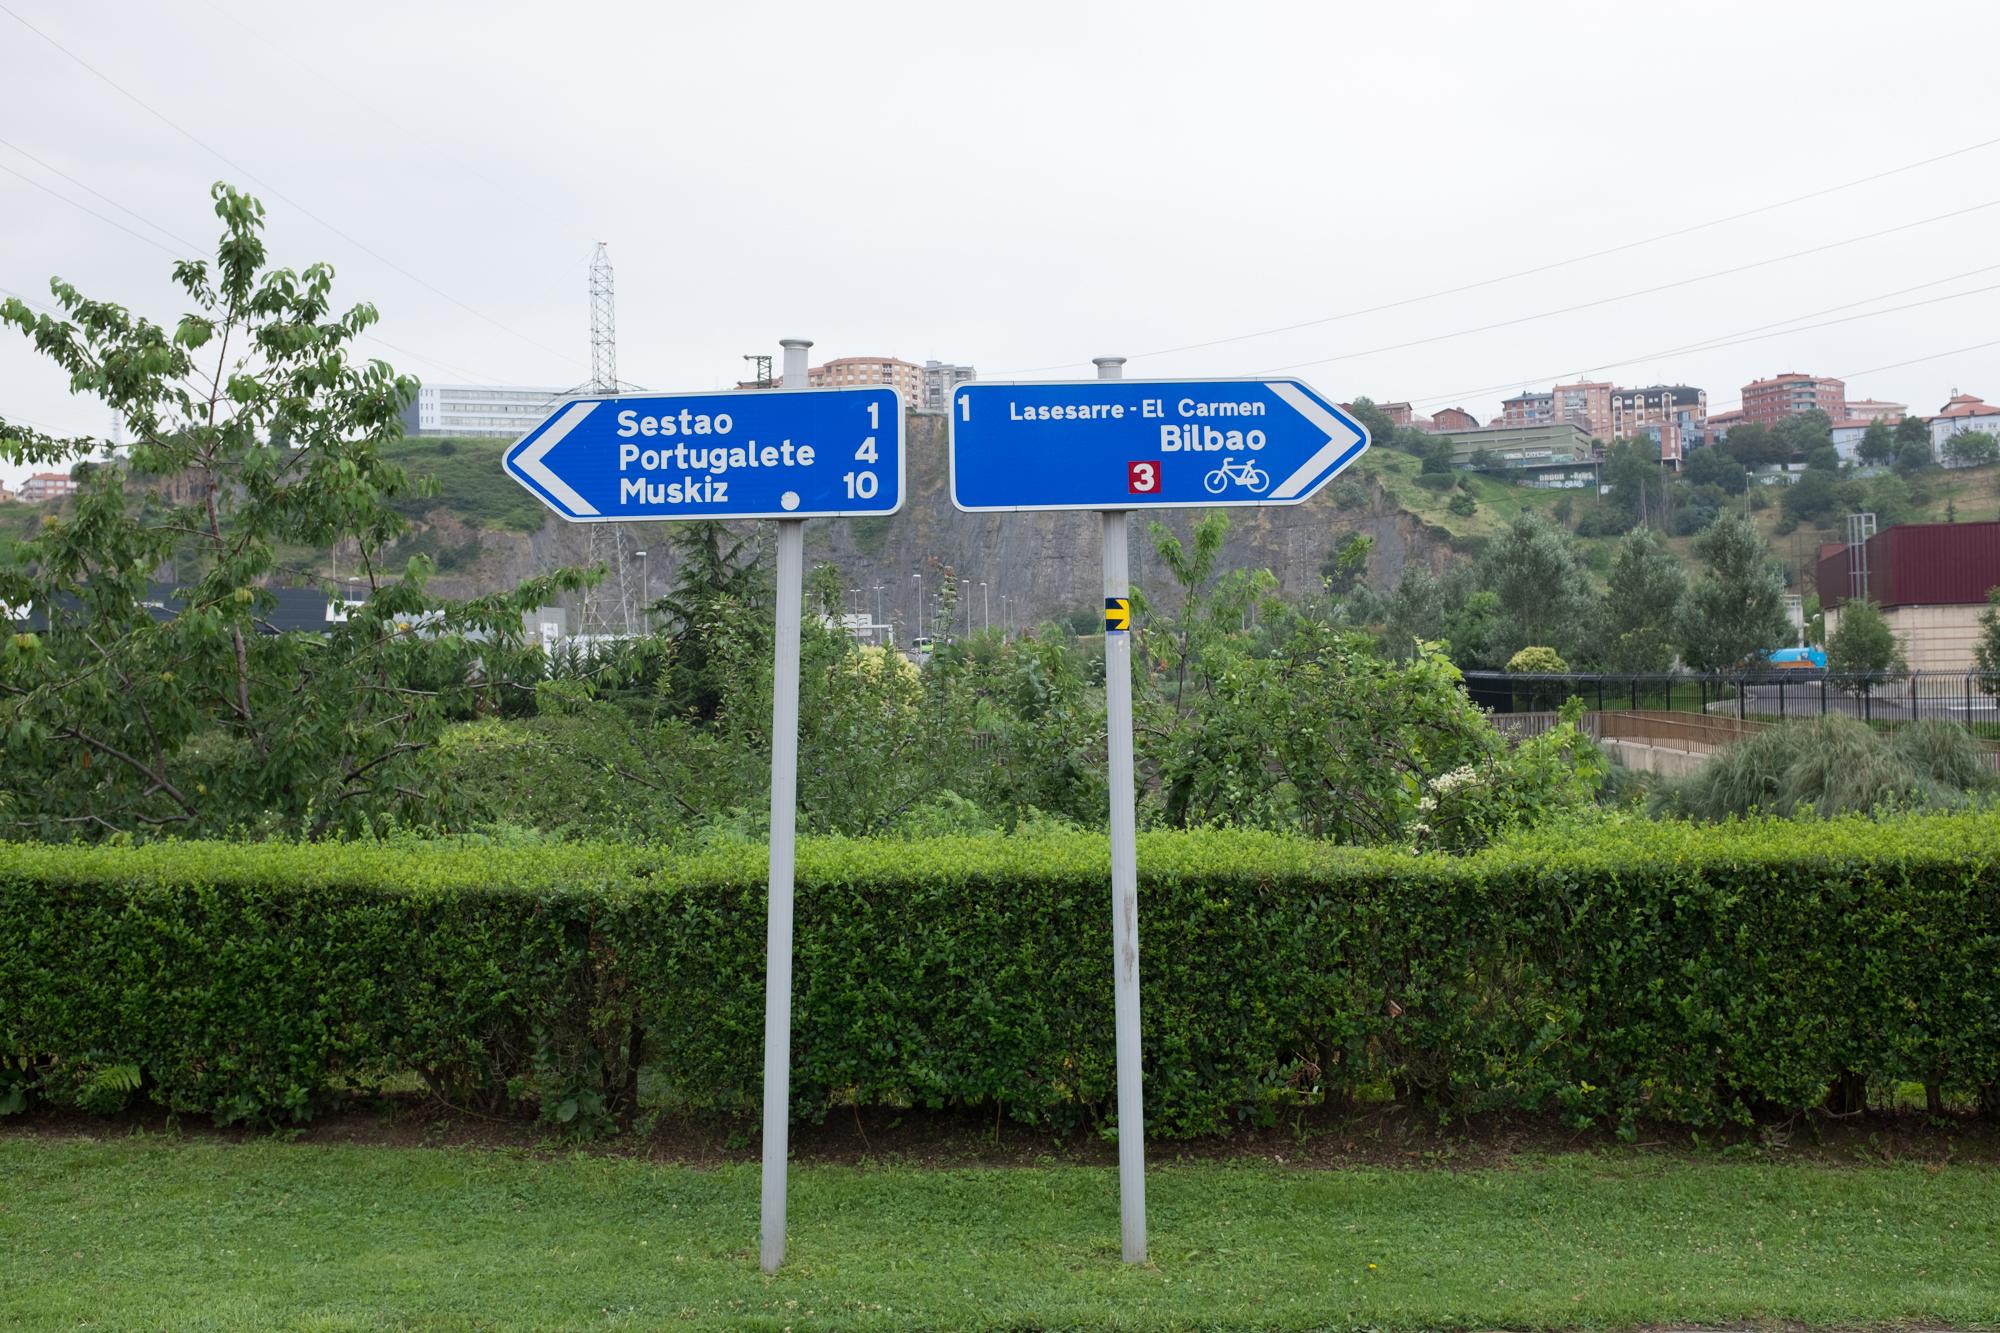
(1045, 565)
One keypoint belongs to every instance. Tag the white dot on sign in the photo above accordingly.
(788, 501)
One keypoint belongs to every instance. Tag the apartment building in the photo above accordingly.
(905, 377)
(1674, 414)
(1965, 411)
(478, 409)
(1876, 409)
(1527, 409)
(1451, 420)
(45, 486)
(1767, 402)
(940, 379)
(1586, 404)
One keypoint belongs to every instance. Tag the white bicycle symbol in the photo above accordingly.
(1246, 474)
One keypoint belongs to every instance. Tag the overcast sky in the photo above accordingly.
(1023, 186)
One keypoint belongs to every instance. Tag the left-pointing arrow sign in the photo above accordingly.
(766, 453)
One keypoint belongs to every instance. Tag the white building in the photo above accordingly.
(1964, 412)
(475, 409)
(46, 486)
(939, 380)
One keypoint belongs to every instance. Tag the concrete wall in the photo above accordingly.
(1934, 638)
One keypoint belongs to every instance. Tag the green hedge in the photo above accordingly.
(1687, 974)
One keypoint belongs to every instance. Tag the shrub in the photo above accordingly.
(1833, 765)
(1679, 973)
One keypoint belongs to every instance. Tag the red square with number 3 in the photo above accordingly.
(1143, 477)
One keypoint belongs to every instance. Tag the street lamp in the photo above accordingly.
(985, 606)
(877, 589)
(919, 618)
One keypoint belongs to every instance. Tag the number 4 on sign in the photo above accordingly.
(1143, 477)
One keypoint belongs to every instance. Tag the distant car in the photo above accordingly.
(1799, 659)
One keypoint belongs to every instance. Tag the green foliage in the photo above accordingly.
(1715, 467)
(1463, 505)
(121, 723)
(1736, 612)
(1687, 974)
(1833, 765)
(1862, 647)
(465, 476)
(1986, 652)
(1537, 661)
(1972, 448)
(1878, 443)
(1813, 498)
(1543, 593)
(1642, 605)
(1799, 434)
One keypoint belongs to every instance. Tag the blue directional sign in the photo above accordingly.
(759, 453)
(1135, 444)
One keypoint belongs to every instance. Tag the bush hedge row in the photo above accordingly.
(1680, 973)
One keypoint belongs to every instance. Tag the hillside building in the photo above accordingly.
(45, 486)
(1770, 401)
(478, 409)
(905, 377)
(1551, 455)
(1929, 579)
(1673, 415)
(1876, 409)
(1964, 412)
(939, 380)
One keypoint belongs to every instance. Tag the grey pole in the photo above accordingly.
(985, 608)
(784, 829)
(1124, 881)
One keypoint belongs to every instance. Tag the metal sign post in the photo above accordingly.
(787, 454)
(1115, 445)
(1124, 868)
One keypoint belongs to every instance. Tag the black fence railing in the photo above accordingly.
(1885, 697)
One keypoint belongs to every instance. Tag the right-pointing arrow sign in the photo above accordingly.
(1134, 444)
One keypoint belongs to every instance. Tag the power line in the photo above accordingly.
(1538, 269)
(233, 165)
(1643, 291)
(188, 245)
(1754, 334)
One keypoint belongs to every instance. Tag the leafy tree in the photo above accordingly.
(1878, 443)
(1823, 458)
(1542, 590)
(1913, 445)
(1437, 456)
(1643, 605)
(1735, 613)
(1862, 647)
(1536, 660)
(1812, 498)
(1564, 510)
(721, 592)
(1715, 467)
(1381, 430)
(205, 720)
(1634, 480)
(1753, 446)
(1972, 448)
(1800, 433)
(1986, 652)
(1463, 505)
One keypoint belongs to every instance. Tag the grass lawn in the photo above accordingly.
(150, 1232)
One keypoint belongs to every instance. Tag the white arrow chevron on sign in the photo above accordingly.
(1338, 439)
(529, 460)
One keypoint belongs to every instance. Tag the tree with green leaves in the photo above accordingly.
(1972, 448)
(1642, 605)
(1798, 434)
(721, 592)
(1913, 445)
(1862, 648)
(201, 718)
(1543, 592)
(1986, 652)
(1735, 613)
(1715, 467)
(1878, 444)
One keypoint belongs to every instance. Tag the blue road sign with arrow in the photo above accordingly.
(1135, 444)
(763, 453)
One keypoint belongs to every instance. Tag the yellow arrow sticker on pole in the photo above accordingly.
(1117, 615)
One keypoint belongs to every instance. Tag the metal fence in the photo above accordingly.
(1954, 696)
